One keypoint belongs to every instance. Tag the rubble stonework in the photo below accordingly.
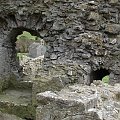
(82, 38)
(95, 102)
(82, 32)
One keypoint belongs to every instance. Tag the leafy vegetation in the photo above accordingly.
(24, 41)
(106, 79)
(26, 36)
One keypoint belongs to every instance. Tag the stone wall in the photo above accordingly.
(77, 33)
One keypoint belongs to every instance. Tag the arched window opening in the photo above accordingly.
(17, 43)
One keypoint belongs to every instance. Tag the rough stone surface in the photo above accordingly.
(95, 102)
(17, 102)
(31, 66)
(83, 32)
(9, 117)
(36, 50)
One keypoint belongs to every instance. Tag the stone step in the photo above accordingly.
(5, 116)
(26, 84)
(17, 102)
(21, 84)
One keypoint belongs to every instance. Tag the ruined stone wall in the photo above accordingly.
(80, 35)
(95, 102)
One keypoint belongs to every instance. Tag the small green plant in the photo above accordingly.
(106, 79)
(21, 55)
(26, 36)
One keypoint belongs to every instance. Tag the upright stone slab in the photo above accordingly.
(36, 50)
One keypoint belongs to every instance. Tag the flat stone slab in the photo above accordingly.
(5, 116)
(67, 98)
(18, 97)
(17, 102)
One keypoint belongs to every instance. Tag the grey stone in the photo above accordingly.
(112, 28)
(94, 16)
(4, 116)
(59, 49)
(86, 55)
(95, 102)
(53, 57)
(80, 50)
(58, 25)
(113, 41)
(36, 50)
(70, 72)
(113, 1)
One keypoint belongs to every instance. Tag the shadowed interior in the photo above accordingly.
(98, 74)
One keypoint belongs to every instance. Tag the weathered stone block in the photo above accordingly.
(113, 1)
(36, 50)
(58, 25)
(66, 102)
(112, 28)
(94, 16)
(4, 116)
(44, 84)
(53, 57)
(77, 102)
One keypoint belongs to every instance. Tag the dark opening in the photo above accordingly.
(98, 74)
(28, 118)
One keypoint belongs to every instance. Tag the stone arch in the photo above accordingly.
(11, 63)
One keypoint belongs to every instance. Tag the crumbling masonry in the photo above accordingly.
(83, 44)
